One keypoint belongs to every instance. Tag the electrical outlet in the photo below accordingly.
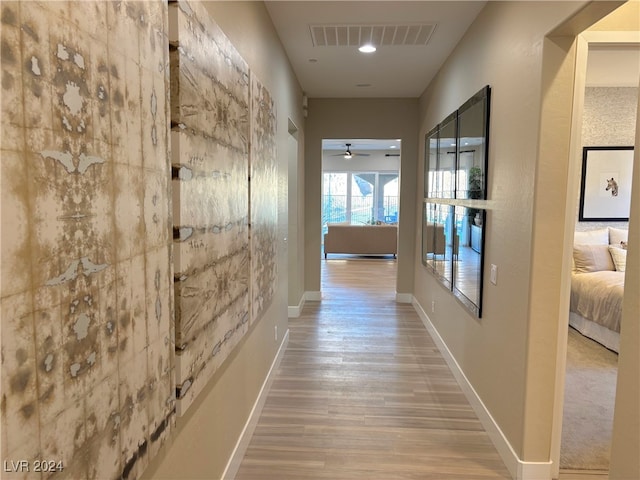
(433, 306)
(276, 333)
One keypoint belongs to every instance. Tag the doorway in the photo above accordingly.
(611, 92)
(360, 182)
(592, 48)
(360, 188)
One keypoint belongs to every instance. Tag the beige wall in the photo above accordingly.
(509, 354)
(205, 437)
(360, 118)
(296, 221)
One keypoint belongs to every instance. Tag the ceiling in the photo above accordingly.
(401, 68)
(414, 38)
(611, 65)
(361, 144)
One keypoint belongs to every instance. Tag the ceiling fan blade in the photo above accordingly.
(360, 154)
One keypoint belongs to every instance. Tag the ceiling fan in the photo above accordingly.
(349, 154)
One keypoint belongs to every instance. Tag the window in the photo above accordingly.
(359, 198)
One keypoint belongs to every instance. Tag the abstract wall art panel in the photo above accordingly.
(210, 161)
(135, 250)
(264, 198)
(85, 293)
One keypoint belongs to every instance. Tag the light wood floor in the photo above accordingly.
(363, 393)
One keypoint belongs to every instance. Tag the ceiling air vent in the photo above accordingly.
(379, 35)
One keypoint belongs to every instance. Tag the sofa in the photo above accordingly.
(361, 239)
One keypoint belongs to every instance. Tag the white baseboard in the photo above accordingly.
(534, 470)
(518, 469)
(247, 432)
(296, 310)
(313, 296)
(404, 298)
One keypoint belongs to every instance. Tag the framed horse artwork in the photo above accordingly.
(605, 188)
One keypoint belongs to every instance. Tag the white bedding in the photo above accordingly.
(597, 296)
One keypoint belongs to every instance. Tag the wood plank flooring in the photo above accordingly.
(363, 393)
(568, 474)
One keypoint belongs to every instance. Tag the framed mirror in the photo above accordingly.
(453, 224)
(431, 164)
(437, 241)
(468, 264)
(473, 134)
(446, 158)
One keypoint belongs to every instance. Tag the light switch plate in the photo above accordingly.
(494, 274)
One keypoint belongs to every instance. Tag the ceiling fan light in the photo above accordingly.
(367, 48)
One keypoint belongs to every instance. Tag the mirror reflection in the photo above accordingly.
(469, 233)
(446, 158)
(472, 145)
(438, 247)
(456, 153)
(431, 172)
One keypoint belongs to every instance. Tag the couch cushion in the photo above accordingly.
(361, 239)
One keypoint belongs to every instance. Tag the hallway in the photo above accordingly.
(363, 393)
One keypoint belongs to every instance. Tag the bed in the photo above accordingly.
(597, 284)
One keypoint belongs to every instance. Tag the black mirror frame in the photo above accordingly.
(434, 190)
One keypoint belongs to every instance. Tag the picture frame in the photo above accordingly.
(605, 187)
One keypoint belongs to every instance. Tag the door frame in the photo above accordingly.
(583, 41)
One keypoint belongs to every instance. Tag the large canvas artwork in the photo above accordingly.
(223, 128)
(128, 274)
(210, 148)
(85, 293)
(264, 195)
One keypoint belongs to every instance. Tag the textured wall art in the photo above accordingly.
(85, 292)
(210, 147)
(264, 196)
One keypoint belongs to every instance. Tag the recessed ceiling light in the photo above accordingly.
(367, 48)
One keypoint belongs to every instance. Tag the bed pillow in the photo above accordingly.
(592, 258)
(592, 237)
(617, 235)
(619, 257)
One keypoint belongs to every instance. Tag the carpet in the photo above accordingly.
(590, 389)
